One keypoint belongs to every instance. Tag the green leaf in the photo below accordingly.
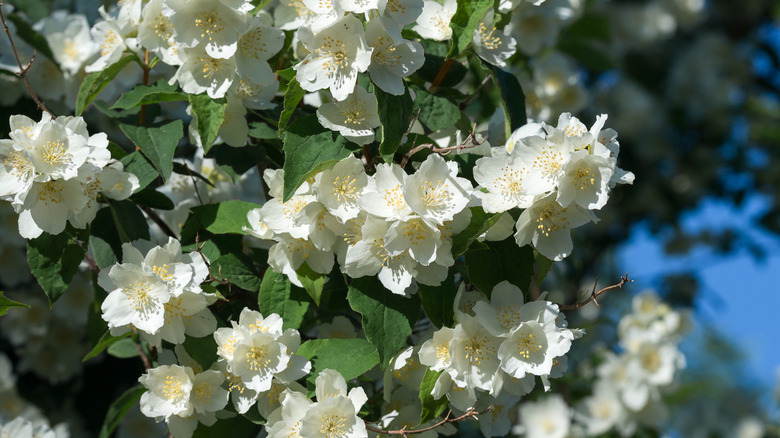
(105, 341)
(119, 408)
(292, 97)
(227, 217)
(431, 408)
(395, 113)
(480, 222)
(160, 91)
(158, 144)
(130, 222)
(435, 112)
(140, 166)
(499, 261)
(6, 304)
(388, 319)
(202, 350)
(54, 260)
(94, 83)
(263, 131)
(123, 349)
(350, 357)
(237, 427)
(237, 269)
(433, 64)
(465, 21)
(32, 37)
(278, 295)
(309, 148)
(543, 265)
(512, 98)
(153, 199)
(210, 114)
(313, 282)
(237, 161)
(438, 302)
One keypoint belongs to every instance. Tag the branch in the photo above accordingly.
(593, 295)
(160, 223)
(468, 143)
(22, 69)
(144, 358)
(470, 413)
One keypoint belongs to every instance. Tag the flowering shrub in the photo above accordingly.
(314, 218)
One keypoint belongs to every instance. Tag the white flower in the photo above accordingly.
(384, 196)
(338, 53)
(341, 186)
(534, 28)
(155, 33)
(354, 117)
(508, 180)
(199, 72)
(491, 45)
(292, 14)
(434, 21)
(137, 296)
(474, 354)
(48, 205)
(435, 192)
(111, 37)
(548, 226)
(391, 60)
(286, 421)
(416, 235)
(69, 37)
(395, 14)
(335, 412)
(210, 24)
(585, 181)
(602, 410)
(549, 417)
(169, 388)
(255, 46)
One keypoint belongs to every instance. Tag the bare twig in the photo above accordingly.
(369, 159)
(144, 358)
(474, 94)
(221, 279)
(443, 70)
(404, 432)
(593, 295)
(22, 69)
(468, 143)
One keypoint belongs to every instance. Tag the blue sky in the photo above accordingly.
(739, 296)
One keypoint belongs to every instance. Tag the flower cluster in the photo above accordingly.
(557, 174)
(158, 294)
(53, 171)
(498, 346)
(391, 224)
(628, 389)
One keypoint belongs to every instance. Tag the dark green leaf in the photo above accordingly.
(158, 144)
(105, 341)
(263, 131)
(278, 295)
(210, 114)
(480, 223)
(435, 112)
(54, 260)
(227, 217)
(202, 350)
(94, 83)
(183, 169)
(153, 199)
(104, 239)
(464, 22)
(431, 408)
(350, 357)
(123, 349)
(237, 427)
(32, 37)
(432, 67)
(543, 265)
(161, 91)
(119, 408)
(438, 302)
(130, 222)
(388, 319)
(292, 97)
(309, 148)
(512, 98)
(499, 261)
(395, 112)
(237, 161)
(140, 166)
(6, 304)
(237, 269)
(313, 282)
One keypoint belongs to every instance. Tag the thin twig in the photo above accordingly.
(23, 69)
(443, 70)
(369, 159)
(144, 358)
(475, 93)
(593, 295)
(160, 223)
(468, 143)
(470, 413)
(142, 112)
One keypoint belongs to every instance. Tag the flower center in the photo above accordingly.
(209, 23)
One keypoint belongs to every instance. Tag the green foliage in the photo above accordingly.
(435, 112)
(94, 83)
(438, 302)
(238, 270)
(278, 295)
(129, 221)
(160, 91)
(465, 21)
(6, 304)
(54, 260)
(238, 427)
(227, 217)
(431, 408)
(32, 37)
(395, 113)
(105, 341)
(313, 283)
(202, 350)
(495, 262)
(387, 318)
(479, 224)
(123, 349)
(140, 166)
(119, 408)
(512, 98)
(210, 114)
(158, 144)
(153, 199)
(309, 148)
(292, 97)
(360, 356)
